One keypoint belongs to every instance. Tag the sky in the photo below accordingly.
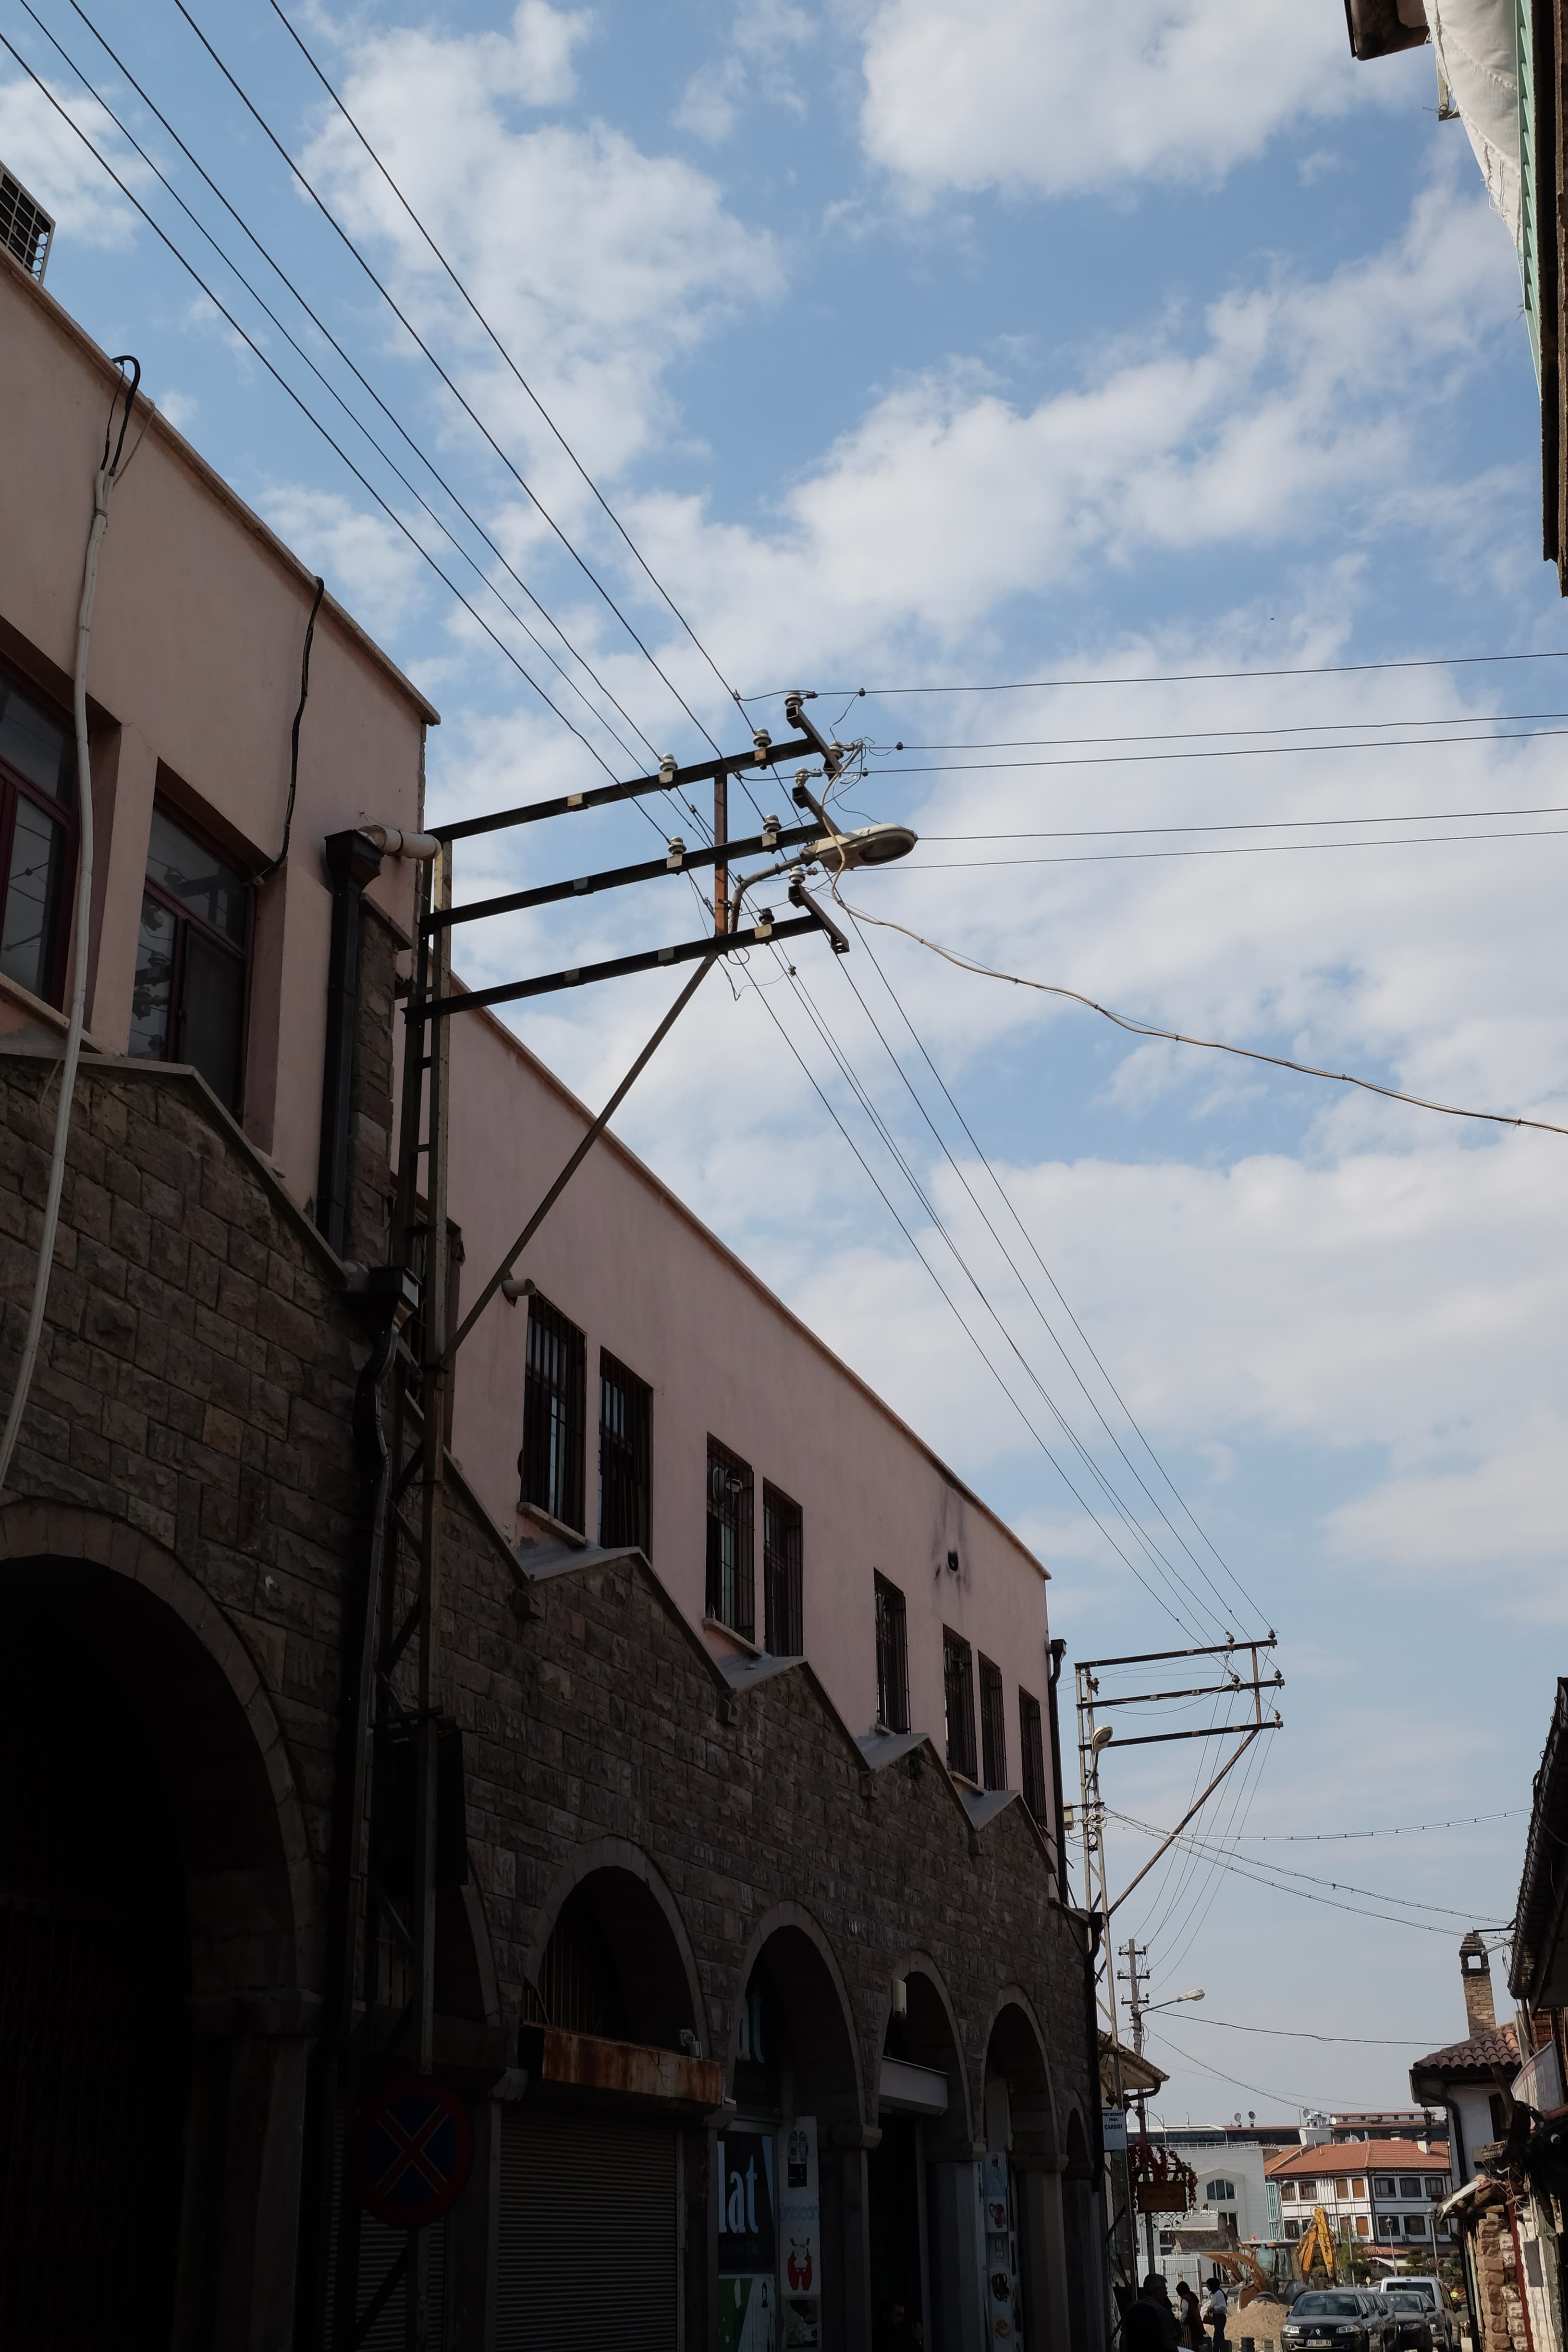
(928, 348)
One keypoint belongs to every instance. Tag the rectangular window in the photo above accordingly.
(783, 1634)
(1384, 2186)
(188, 1000)
(1287, 2188)
(1292, 2229)
(1415, 2225)
(993, 1726)
(552, 1414)
(1363, 2226)
(893, 1658)
(730, 1597)
(1408, 2185)
(1358, 2188)
(625, 1415)
(1343, 2189)
(37, 841)
(1032, 1755)
(1388, 2225)
(1435, 2186)
(958, 1689)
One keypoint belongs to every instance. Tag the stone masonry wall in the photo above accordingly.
(197, 1382)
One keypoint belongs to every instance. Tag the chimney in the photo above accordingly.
(1475, 1967)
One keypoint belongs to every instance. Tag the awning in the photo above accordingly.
(1468, 2203)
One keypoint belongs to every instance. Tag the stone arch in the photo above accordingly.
(929, 2035)
(616, 1885)
(126, 1598)
(1015, 2050)
(815, 1999)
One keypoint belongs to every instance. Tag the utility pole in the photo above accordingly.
(404, 1835)
(1136, 1981)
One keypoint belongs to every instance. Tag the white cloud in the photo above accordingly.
(54, 165)
(751, 70)
(1050, 96)
(595, 263)
(367, 563)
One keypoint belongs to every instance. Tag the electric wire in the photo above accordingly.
(1228, 751)
(1209, 1044)
(1407, 1828)
(305, 410)
(1034, 1249)
(829, 1107)
(1002, 1194)
(1299, 2034)
(1233, 849)
(1210, 734)
(1259, 2090)
(1196, 1918)
(1242, 1867)
(1134, 1527)
(636, 550)
(1279, 1869)
(326, 332)
(1177, 677)
(1249, 825)
(463, 402)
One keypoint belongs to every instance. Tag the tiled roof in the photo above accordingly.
(1492, 2046)
(1347, 2156)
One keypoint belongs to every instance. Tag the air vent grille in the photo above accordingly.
(25, 229)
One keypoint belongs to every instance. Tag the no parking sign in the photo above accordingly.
(413, 2150)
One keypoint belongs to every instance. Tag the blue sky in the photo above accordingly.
(944, 343)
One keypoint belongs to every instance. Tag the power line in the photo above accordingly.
(1018, 1274)
(1231, 751)
(505, 354)
(1233, 849)
(1259, 2090)
(1210, 1045)
(1244, 1867)
(319, 324)
(1408, 1828)
(1177, 677)
(1208, 734)
(1250, 824)
(1299, 2033)
(964, 1326)
(1034, 1249)
(469, 410)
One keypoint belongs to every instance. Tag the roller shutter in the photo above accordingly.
(588, 2254)
(379, 2248)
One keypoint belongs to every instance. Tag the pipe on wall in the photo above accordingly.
(353, 861)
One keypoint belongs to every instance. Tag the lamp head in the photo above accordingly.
(868, 844)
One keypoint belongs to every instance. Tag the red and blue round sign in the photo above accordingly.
(413, 2150)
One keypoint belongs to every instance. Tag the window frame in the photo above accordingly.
(536, 1389)
(892, 1639)
(784, 1630)
(185, 920)
(993, 1725)
(958, 1685)
(632, 1473)
(739, 1514)
(1032, 1768)
(65, 812)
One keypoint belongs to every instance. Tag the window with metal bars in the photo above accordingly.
(958, 1689)
(25, 229)
(553, 1413)
(783, 1636)
(187, 998)
(1032, 1756)
(732, 1598)
(993, 1726)
(625, 1415)
(893, 1658)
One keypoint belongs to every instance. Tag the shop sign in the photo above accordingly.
(800, 2239)
(748, 2243)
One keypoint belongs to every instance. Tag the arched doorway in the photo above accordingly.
(789, 2218)
(1021, 2201)
(594, 2158)
(151, 2049)
(922, 2175)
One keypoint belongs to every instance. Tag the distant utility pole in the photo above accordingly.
(1136, 1980)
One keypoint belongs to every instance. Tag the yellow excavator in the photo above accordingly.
(1243, 2266)
(1317, 2245)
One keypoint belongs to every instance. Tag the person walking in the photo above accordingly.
(1148, 2324)
(1217, 2308)
(1189, 2322)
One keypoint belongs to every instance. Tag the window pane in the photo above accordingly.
(199, 880)
(37, 747)
(151, 989)
(958, 1677)
(892, 1657)
(781, 1596)
(624, 1413)
(212, 1016)
(32, 889)
(552, 1410)
(730, 1594)
(993, 1726)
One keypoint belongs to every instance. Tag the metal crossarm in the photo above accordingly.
(615, 878)
(615, 968)
(668, 780)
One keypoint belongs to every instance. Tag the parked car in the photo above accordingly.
(1445, 2333)
(1340, 2319)
(1413, 2314)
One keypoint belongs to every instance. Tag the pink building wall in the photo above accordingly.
(194, 679)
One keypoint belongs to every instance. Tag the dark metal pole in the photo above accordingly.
(352, 862)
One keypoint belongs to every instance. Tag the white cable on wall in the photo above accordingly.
(103, 483)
